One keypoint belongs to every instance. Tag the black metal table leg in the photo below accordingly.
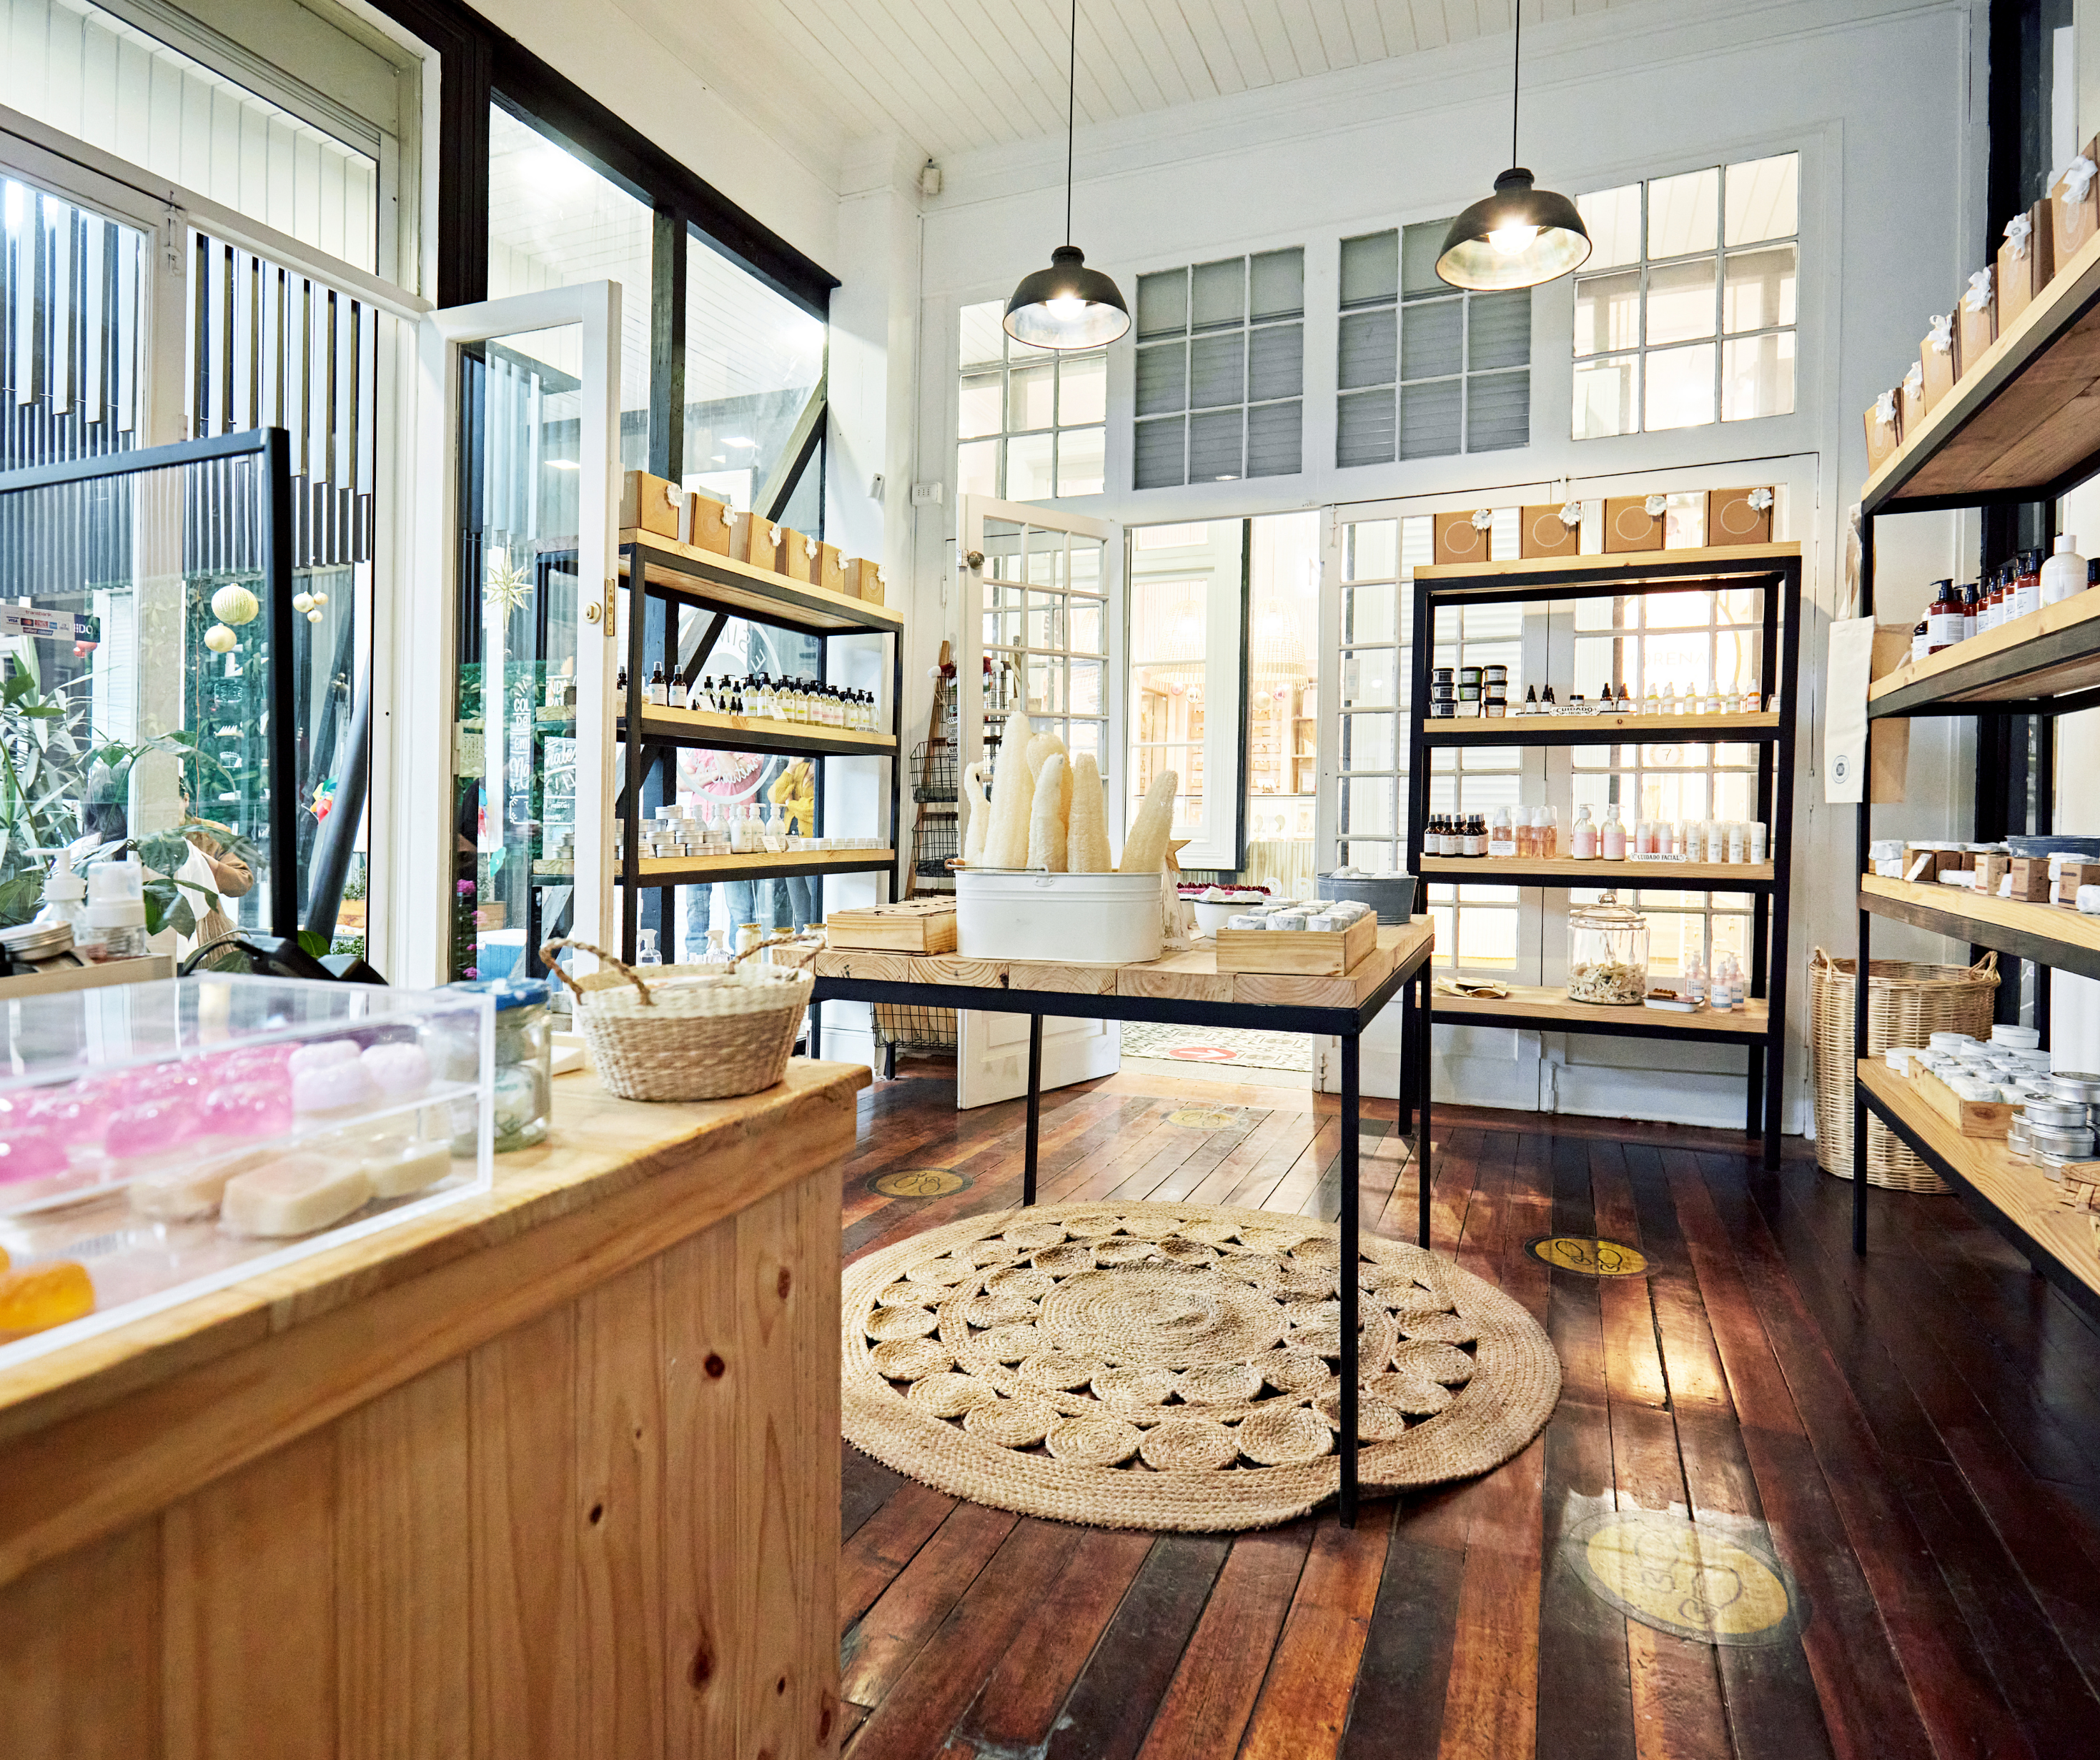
(1034, 1106)
(1351, 1125)
(814, 1024)
(1753, 1116)
(1422, 1112)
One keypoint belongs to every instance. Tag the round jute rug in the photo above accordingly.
(1174, 1366)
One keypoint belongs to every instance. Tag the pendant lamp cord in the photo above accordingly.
(1071, 104)
(1517, 78)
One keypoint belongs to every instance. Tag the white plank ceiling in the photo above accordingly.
(951, 76)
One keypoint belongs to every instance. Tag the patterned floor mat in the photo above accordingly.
(1246, 1049)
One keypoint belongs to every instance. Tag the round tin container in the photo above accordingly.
(2058, 1115)
(2069, 1084)
(2075, 1145)
(36, 941)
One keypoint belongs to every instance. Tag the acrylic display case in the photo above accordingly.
(160, 1140)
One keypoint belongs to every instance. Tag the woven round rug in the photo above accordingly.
(1174, 1366)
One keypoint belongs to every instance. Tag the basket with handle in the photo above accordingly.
(701, 1032)
(1906, 1005)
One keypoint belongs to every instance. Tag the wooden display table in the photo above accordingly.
(1187, 988)
(551, 1472)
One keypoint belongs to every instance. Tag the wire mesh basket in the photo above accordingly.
(932, 843)
(933, 772)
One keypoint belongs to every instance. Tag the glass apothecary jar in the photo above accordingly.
(523, 1094)
(1607, 954)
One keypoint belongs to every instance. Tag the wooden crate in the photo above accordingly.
(913, 925)
(1972, 1118)
(1298, 953)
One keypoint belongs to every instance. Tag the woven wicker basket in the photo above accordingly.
(1906, 1005)
(696, 1032)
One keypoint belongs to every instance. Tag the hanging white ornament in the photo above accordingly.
(236, 605)
(313, 617)
(218, 638)
(302, 601)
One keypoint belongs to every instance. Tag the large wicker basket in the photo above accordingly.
(695, 1033)
(1906, 1005)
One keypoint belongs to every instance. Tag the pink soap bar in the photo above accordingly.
(331, 1089)
(27, 1155)
(247, 1110)
(399, 1071)
(322, 1055)
(154, 1129)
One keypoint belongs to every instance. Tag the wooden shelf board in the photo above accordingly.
(659, 868)
(1547, 1005)
(756, 732)
(2024, 415)
(724, 581)
(2018, 1191)
(1674, 877)
(2035, 656)
(2049, 932)
(1544, 730)
(1616, 573)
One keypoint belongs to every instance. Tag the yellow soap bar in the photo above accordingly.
(44, 1295)
(404, 1166)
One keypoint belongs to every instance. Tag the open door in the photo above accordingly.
(1038, 639)
(503, 724)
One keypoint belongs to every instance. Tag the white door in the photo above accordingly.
(518, 408)
(1040, 634)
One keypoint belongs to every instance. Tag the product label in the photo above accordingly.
(1942, 629)
(2027, 598)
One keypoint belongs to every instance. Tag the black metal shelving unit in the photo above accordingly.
(2022, 425)
(684, 581)
(1774, 571)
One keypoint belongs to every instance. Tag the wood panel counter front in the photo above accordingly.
(551, 1472)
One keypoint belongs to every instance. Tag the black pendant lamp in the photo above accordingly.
(1067, 305)
(1520, 236)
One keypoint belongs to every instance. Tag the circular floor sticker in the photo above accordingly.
(1204, 1053)
(1588, 1255)
(1691, 1582)
(1195, 1118)
(918, 1182)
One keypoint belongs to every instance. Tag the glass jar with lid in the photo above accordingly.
(1607, 954)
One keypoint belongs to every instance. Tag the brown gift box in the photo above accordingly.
(756, 541)
(1884, 437)
(864, 580)
(2074, 220)
(2070, 877)
(1542, 535)
(1977, 330)
(830, 572)
(1911, 394)
(1629, 526)
(795, 554)
(2022, 276)
(1731, 520)
(1925, 865)
(650, 503)
(712, 525)
(1991, 870)
(1942, 367)
(2031, 879)
(1458, 538)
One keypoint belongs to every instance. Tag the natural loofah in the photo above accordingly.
(1012, 800)
(1144, 849)
(977, 815)
(1046, 832)
(1087, 828)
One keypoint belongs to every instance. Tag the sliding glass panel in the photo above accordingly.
(753, 363)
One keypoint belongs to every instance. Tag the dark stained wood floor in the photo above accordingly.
(1921, 1430)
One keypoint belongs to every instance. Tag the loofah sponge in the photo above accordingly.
(1041, 749)
(977, 814)
(1144, 849)
(1086, 826)
(1012, 800)
(1047, 831)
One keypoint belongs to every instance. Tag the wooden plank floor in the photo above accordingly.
(1916, 1436)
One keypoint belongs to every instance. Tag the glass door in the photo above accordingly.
(509, 702)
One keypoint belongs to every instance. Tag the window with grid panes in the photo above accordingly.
(1685, 312)
(1044, 627)
(1030, 422)
(1476, 925)
(1220, 370)
(1423, 370)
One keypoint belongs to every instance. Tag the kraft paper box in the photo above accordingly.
(1630, 525)
(1976, 320)
(1458, 539)
(756, 541)
(2070, 877)
(650, 503)
(712, 525)
(831, 569)
(864, 580)
(1939, 355)
(2027, 261)
(1912, 393)
(2074, 204)
(1926, 865)
(796, 554)
(2031, 879)
(1543, 534)
(1735, 516)
(1884, 429)
(1991, 870)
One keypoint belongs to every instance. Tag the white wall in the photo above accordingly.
(1883, 101)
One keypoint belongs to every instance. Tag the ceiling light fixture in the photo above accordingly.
(1067, 305)
(1520, 236)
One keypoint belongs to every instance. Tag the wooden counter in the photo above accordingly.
(553, 1471)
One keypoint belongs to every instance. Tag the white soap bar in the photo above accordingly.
(1247, 921)
(191, 1192)
(405, 1164)
(1291, 921)
(294, 1194)
(1325, 925)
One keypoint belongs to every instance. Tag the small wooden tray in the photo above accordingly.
(1297, 953)
(912, 926)
(1972, 1118)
